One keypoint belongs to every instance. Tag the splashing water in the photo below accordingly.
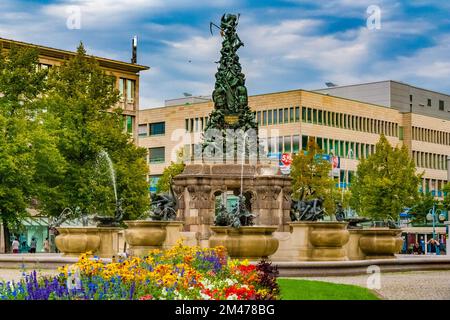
(112, 172)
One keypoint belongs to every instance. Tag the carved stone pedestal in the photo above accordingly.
(199, 184)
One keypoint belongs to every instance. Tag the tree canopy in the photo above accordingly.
(385, 183)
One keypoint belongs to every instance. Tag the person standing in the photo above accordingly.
(33, 245)
(15, 246)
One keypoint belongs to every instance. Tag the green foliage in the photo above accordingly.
(311, 177)
(30, 164)
(83, 98)
(446, 201)
(174, 169)
(425, 202)
(385, 183)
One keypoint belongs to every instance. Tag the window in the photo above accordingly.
(291, 114)
(192, 125)
(297, 114)
(287, 144)
(258, 117)
(314, 116)
(280, 115)
(320, 143)
(429, 102)
(122, 88)
(309, 116)
(269, 117)
(186, 124)
(129, 124)
(130, 90)
(286, 115)
(441, 105)
(156, 155)
(304, 142)
(264, 119)
(304, 114)
(320, 117)
(295, 144)
(275, 118)
(142, 130)
(157, 128)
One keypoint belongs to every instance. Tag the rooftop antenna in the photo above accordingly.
(134, 48)
(330, 84)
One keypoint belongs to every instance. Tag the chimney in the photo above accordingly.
(134, 48)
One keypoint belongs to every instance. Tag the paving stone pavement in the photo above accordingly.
(417, 285)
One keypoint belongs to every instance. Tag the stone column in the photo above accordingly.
(199, 212)
(109, 242)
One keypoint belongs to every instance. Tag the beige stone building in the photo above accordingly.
(127, 82)
(344, 128)
(126, 74)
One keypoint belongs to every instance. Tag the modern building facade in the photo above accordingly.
(343, 127)
(126, 74)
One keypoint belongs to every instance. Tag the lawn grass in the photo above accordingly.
(293, 289)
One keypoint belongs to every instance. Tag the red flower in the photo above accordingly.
(146, 297)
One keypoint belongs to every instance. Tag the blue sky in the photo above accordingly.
(289, 44)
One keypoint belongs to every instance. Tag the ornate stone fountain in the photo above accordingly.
(236, 167)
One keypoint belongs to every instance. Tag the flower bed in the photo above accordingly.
(183, 272)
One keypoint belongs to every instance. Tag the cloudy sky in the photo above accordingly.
(289, 44)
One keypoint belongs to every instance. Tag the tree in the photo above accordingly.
(30, 163)
(446, 201)
(174, 169)
(419, 211)
(311, 176)
(84, 100)
(385, 183)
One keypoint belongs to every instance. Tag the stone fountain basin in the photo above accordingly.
(145, 235)
(253, 243)
(73, 241)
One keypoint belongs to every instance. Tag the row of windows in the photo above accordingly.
(127, 89)
(277, 116)
(429, 135)
(344, 149)
(195, 124)
(152, 129)
(432, 185)
(430, 160)
(350, 122)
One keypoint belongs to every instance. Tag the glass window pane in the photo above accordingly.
(287, 144)
(275, 116)
(157, 155)
(304, 142)
(304, 114)
(286, 115)
(295, 143)
(157, 128)
(320, 117)
(291, 114)
(142, 130)
(297, 114)
(269, 117)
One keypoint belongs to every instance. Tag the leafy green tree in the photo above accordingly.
(419, 211)
(385, 183)
(311, 177)
(84, 100)
(446, 201)
(174, 169)
(30, 163)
